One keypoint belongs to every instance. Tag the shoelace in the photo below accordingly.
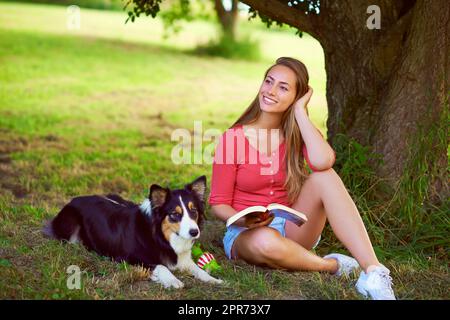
(386, 279)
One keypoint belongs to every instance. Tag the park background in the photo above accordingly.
(91, 110)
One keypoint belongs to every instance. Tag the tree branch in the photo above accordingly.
(234, 7)
(219, 8)
(281, 12)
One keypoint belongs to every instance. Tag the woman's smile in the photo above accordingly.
(269, 101)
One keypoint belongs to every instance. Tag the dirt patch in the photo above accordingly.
(10, 144)
(7, 253)
(135, 108)
(8, 177)
(17, 190)
(50, 138)
(4, 158)
(48, 142)
(10, 172)
(116, 185)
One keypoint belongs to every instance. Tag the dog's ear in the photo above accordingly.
(158, 195)
(198, 186)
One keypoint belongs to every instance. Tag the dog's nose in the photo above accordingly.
(193, 232)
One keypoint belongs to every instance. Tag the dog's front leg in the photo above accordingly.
(201, 274)
(161, 274)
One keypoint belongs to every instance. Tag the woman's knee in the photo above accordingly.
(267, 244)
(324, 177)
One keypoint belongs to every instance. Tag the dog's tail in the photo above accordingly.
(48, 230)
(64, 225)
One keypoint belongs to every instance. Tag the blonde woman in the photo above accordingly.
(261, 160)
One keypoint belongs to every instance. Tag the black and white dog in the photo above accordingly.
(158, 234)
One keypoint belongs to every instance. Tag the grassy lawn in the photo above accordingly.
(92, 111)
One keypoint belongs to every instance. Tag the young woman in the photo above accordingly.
(277, 130)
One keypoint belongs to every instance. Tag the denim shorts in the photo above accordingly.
(234, 231)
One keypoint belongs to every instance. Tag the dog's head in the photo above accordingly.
(179, 212)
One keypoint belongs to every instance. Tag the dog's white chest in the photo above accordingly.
(179, 244)
(182, 248)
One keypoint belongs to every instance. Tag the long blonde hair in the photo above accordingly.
(296, 172)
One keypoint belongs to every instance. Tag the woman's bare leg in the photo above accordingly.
(265, 246)
(324, 196)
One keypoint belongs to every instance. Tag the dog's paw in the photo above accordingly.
(213, 280)
(170, 282)
(217, 281)
(163, 276)
(173, 283)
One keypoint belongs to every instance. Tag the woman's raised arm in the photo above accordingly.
(321, 155)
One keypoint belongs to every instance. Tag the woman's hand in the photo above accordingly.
(259, 219)
(302, 103)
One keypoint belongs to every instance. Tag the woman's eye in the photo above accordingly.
(267, 81)
(284, 88)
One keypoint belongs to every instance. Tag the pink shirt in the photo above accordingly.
(243, 177)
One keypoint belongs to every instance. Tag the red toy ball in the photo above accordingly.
(204, 259)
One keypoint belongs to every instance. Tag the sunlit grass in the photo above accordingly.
(109, 25)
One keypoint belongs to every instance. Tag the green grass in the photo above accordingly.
(92, 111)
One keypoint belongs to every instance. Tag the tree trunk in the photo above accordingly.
(385, 87)
(415, 97)
(227, 19)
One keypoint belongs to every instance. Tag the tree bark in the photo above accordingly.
(415, 95)
(386, 86)
(227, 19)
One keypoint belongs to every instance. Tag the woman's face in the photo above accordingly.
(278, 90)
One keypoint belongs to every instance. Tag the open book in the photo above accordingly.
(278, 210)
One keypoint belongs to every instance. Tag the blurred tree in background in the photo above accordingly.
(175, 11)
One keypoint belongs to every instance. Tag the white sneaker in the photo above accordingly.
(346, 264)
(377, 283)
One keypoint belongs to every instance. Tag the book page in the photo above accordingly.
(275, 206)
(244, 212)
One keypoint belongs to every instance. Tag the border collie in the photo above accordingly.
(158, 234)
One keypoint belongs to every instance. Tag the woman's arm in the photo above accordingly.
(224, 212)
(321, 155)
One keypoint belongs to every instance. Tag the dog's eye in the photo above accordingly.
(174, 216)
